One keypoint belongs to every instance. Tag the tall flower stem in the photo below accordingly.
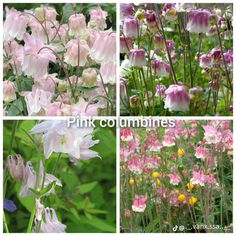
(5, 223)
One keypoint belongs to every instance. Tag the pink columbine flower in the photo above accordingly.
(137, 57)
(205, 61)
(9, 91)
(125, 44)
(150, 18)
(139, 203)
(169, 11)
(160, 90)
(36, 57)
(14, 25)
(45, 13)
(228, 56)
(198, 177)
(159, 42)
(135, 165)
(97, 18)
(77, 25)
(168, 140)
(16, 167)
(160, 67)
(174, 178)
(198, 21)
(126, 10)
(126, 134)
(201, 152)
(108, 72)
(71, 55)
(212, 135)
(131, 27)
(104, 47)
(155, 146)
(58, 109)
(177, 99)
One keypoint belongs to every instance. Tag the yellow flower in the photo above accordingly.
(158, 181)
(192, 200)
(181, 197)
(190, 185)
(131, 181)
(139, 15)
(155, 174)
(180, 152)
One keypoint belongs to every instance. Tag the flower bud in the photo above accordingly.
(62, 86)
(159, 42)
(133, 100)
(139, 15)
(16, 167)
(9, 91)
(213, 19)
(89, 76)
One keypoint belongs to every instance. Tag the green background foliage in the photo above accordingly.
(87, 200)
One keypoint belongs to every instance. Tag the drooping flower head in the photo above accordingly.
(139, 203)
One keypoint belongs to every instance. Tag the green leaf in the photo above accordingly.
(27, 202)
(85, 188)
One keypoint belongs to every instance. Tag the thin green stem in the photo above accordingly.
(5, 223)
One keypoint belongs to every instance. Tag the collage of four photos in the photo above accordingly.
(117, 61)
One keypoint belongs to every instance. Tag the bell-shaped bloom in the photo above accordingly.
(169, 11)
(29, 181)
(14, 25)
(131, 27)
(97, 18)
(159, 42)
(58, 137)
(9, 91)
(45, 13)
(126, 134)
(16, 168)
(36, 57)
(160, 67)
(139, 203)
(137, 57)
(50, 222)
(77, 25)
(168, 140)
(126, 10)
(177, 99)
(104, 47)
(37, 100)
(108, 72)
(125, 44)
(77, 51)
(198, 21)
(205, 61)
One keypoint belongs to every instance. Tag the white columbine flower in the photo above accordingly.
(58, 137)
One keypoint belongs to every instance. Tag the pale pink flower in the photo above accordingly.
(198, 21)
(135, 164)
(177, 98)
(36, 57)
(131, 27)
(37, 100)
(77, 25)
(85, 109)
(9, 91)
(97, 18)
(50, 223)
(126, 10)
(198, 177)
(104, 47)
(201, 152)
(16, 167)
(139, 203)
(108, 72)
(137, 57)
(14, 25)
(45, 13)
(30, 180)
(46, 83)
(212, 135)
(71, 55)
(58, 109)
(160, 68)
(168, 141)
(174, 178)
(125, 44)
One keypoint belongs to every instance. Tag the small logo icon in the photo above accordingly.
(175, 228)
(181, 228)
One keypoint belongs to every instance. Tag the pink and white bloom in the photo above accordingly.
(36, 57)
(135, 165)
(168, 140)
(131, 27)
(125, 44)
(58, 137)
(126, 134)
(198, 178)
(139, 203)
(202, 152)
(14, 25)
(160, 67)
(177, 99)
(45, 13)
(198, 21)
(104, 47)
(97, 18)
(137, 57)
(9, 91)
(77, 25)
(72, 57)
(174, 178)
(108, 72)
(212, 135)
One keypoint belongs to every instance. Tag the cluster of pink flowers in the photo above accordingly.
(83, 52)
(173, 163)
